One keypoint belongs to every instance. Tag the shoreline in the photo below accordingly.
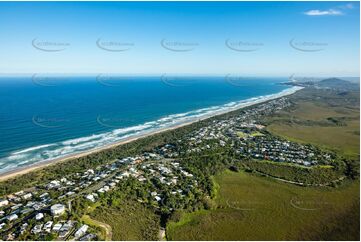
(43, 164)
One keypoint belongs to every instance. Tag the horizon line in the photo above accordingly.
(166, 74)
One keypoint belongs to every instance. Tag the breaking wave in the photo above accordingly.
(57, 150)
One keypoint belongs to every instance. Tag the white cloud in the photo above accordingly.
(317, 12)
(335, 11)
(347, 6)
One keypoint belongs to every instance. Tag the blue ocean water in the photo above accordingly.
(48, 117)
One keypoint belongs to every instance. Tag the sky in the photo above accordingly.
(189, 38)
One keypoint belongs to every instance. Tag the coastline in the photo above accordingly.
(42, 164)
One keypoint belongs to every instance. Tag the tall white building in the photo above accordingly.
(57, 209)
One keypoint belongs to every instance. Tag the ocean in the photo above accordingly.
(49, 117)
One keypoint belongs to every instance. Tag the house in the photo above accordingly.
(54, 184)
(26, 210)
(13, 217)
(23, 228)
(39, 206)
(47, 226)
(57, 209)
(89, 172)
(88, 237)
(16, 206)
(44, 195)
(57, 227)
(37, 228)
(65, 229)
(27, 196)
(90, 197)
(10, 237)
(39, 216)
(3, 202)
(81, 231)
(70, 193)
(174, 181)
(19, 193)
(142, 179)
(30, 204)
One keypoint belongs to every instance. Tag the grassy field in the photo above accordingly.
(129, 221)
(241, 134)
(257, 208)
(249, 207)
(313, 125)
(255, 134)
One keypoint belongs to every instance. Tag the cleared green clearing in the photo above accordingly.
(320, 111)
(250, 207)
(254, 134)
(345, 138)
(241, 134)
(129, 221)
(257, 208)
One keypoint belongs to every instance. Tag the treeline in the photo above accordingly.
(211, 163)
(93, 160)
(129, 220)
(205, 165)
(317, 175)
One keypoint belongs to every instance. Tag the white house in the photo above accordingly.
(39, 216)
(81, 231)
(57, 209)
(47, 226)
(57, 227)
(90, 197)
(12, 217)
(3, 202)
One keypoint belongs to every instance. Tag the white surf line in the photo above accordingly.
(87, 143)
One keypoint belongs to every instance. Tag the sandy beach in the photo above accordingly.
(42, 164)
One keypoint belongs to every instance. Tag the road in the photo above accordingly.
(108, 229)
